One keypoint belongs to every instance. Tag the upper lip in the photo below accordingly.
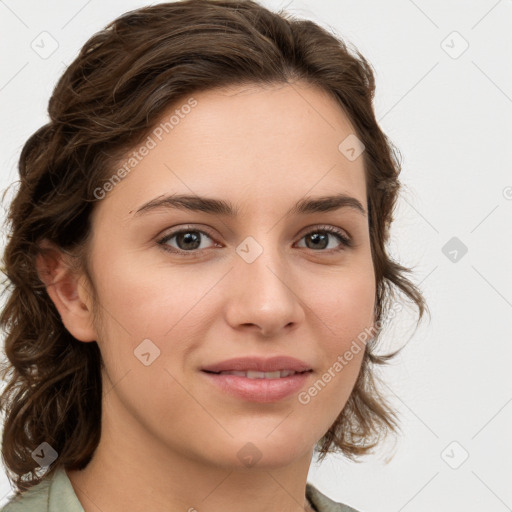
(259, 364)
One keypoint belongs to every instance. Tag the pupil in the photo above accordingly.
(188, 238)
(315, 238)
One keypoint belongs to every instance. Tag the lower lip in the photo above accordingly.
(259, 390)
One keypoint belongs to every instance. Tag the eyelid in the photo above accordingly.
(326, 227)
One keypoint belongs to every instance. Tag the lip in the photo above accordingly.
(259, 390)
(259, 364)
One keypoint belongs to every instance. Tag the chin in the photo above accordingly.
(254, 451)
(264, 451)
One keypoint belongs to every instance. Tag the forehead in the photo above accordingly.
(248, 144)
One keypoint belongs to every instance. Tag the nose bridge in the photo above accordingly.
(259, 260)
(264, 294)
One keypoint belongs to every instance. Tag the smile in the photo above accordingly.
(260, 375)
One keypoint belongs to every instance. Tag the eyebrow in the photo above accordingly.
(226, 208)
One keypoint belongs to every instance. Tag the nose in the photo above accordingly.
(264, 295)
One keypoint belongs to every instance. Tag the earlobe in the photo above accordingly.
(66, 292)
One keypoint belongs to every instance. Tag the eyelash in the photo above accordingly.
(346, 242)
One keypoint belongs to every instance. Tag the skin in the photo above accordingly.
(169, 439)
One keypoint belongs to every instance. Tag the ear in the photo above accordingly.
(67, 290)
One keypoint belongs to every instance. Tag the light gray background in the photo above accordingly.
(449, 114)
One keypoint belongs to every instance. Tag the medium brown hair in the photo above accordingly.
(105, 103)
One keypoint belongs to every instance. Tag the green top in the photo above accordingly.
(57, 495)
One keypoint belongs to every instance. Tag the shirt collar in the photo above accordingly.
(61, 495)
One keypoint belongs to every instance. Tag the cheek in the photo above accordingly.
(346, 312)
(152, 318)
(345, 304)
(172, 308)
(152, 299)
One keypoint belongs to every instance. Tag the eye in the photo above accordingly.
(319, 239)
(189, 240)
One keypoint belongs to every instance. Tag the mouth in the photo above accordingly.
(252, 374)
(258, 379)
(254, 386)
(254, 367)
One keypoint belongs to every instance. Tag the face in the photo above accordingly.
(183, 290)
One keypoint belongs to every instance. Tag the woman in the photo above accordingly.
(197, 268)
